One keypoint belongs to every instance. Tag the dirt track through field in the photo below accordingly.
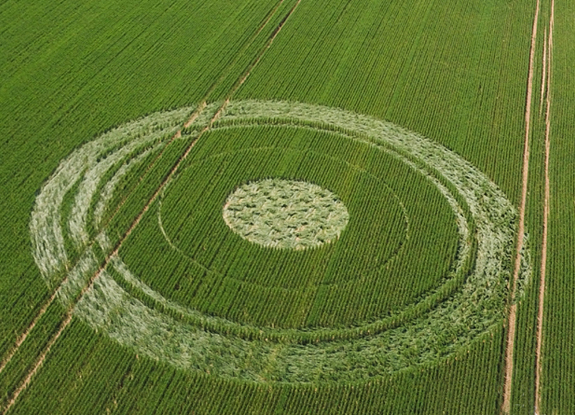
(38, 364)
(510, 344)
(24, 335)
(541, 302)
(544, 74)
(137, 220)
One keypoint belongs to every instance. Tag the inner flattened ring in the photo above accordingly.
(217, 324)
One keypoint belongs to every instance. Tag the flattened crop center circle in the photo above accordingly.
(201, 342)
(285, 214)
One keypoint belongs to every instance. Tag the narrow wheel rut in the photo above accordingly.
(25, 334)
(37, 364)
(511, 326)
(541, 302)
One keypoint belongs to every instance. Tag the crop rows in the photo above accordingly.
(191, 218)
(107, 307)
(168, 390)
(190, 317)
(96, 66)
(558, 364)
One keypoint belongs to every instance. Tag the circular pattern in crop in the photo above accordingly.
(74, 225)
(285, 288)
(285, 214)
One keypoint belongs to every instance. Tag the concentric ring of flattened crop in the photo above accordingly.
(475, 309)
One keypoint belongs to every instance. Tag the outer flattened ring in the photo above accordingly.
(474, 310)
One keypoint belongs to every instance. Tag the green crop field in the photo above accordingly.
(287, 207)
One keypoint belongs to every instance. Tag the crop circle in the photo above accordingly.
(285, 214)
(190, 217)
(470, 304)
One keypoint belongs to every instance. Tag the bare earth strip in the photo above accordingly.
(544, 74)
(521, 229)
(545, 220)
(193, 117)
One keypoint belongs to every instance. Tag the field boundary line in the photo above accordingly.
(541, 303)
(137, 220)
(510, 342)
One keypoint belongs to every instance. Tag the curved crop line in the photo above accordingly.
(217, 324)
(44, 225)
(463, 230)
(473, 311)
(464, 248)
(79, 215)
(107, 192)
(46, 232)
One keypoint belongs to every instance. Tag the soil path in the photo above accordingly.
(541, 303)
(544, 74)
(38, 364)
(26, 332)
(521, 228)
